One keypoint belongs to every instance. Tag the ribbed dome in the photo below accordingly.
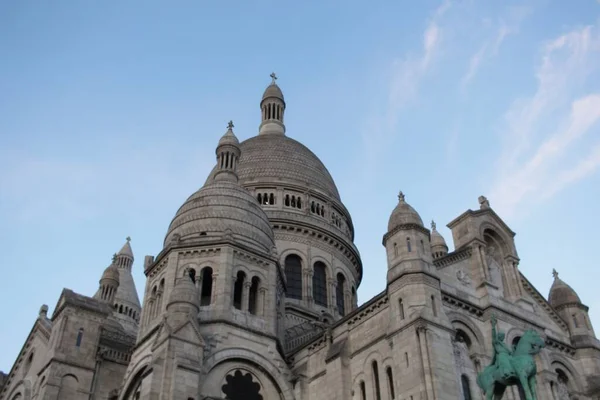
(111, 272)
(220, 208)
(277, 158)
(561, 293)
(436, 238)
(273, 91)
(403, 214)
(184, 293)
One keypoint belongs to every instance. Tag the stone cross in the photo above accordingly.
(401, 196)
(483, 202)
(128, 239)
(230, 125)
(554, 273)
(273, 77)
(433, 225)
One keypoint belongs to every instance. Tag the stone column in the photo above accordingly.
(246, 296)
(213, 294)
(347, 301)
(331, 284)
(425, 361)
(260, 306)
(484, 265)
(306, 286)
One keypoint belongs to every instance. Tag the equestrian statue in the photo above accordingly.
(511, 367)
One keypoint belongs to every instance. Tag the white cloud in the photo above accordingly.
(543, 169)
(490, 47)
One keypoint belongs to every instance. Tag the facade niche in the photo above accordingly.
(206, 288)
(238, 289)
(240, 386)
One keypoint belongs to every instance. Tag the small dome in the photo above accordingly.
(184, 293)
(112, 272)
(403, 214)
(222, 208)
(561, 293)
(229, 137)
(126, 249)
(436, 238)
(273, 91)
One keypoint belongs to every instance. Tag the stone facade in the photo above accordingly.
(254, 297)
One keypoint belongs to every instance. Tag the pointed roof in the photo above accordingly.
(561, 293)
(126, 249)
(229, 137)
(273, 90)
(403, 214)
(436, 238)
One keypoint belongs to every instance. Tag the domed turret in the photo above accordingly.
(109, 283)
(272, 109)
(438, 244)
(568, 305)
(184, 297)
(222, 208)
(562, 294)
(403, 214)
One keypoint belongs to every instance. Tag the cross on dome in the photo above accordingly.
(128, 239)
(401, 196)
(554, 273)
(433, 225)
(273, 77)
(230, 125)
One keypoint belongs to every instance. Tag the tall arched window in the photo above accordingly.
(320, 284)
(253, 296)
(363, 391)
(206, 293)
(465, 387)
(401, 306)
(390, 377)
(293, 274)
(339, 294)
(79, 337)
(408, 246)
(376, 380)
(238, 288)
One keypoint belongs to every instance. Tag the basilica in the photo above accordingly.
(254, 297)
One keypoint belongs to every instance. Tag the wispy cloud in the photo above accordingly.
(406, 75)
(506, 26)
(536, 159)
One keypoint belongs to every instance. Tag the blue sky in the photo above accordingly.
(110, 114)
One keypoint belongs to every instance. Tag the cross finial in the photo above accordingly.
(273, 77)
(128, 239)
(554, 273)
(230, 125)
(433, 225)
(401, 196)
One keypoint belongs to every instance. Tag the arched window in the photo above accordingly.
(206, 293)
(339, 294)
(192, 274)
(515, 342)
(575, 323)
(395, 250)
(293, 274)
(271, 199)
(408, 246)
(121, 309)
(401, 306)
(390, 377)
(287, 200)
(293, 201)
(259, 198)
(376, 380)
(319, 282)
(465, 387)
(238, 288)
(79, 337)
(363, 391)
(299, 202)
(433, 306)
(253, 295)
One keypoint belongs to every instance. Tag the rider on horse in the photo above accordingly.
(502, 353)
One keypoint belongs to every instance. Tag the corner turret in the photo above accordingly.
(109, 283)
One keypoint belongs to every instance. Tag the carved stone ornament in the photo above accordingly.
(463, 277)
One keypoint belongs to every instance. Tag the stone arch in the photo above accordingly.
(490, 230)
(558, 361)
(241, 267)
(69, 386)
(358, 379)
(22, 387)
(141, 367)
(512, 335)
(255, 362)
(459, 321)
(283, 255)
(328, 268)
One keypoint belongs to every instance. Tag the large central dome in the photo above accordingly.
(277, 158)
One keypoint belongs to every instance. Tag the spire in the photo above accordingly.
(272, 108)
(228, 155)
(439, 248)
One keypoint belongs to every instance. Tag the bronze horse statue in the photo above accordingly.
(511, 367)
